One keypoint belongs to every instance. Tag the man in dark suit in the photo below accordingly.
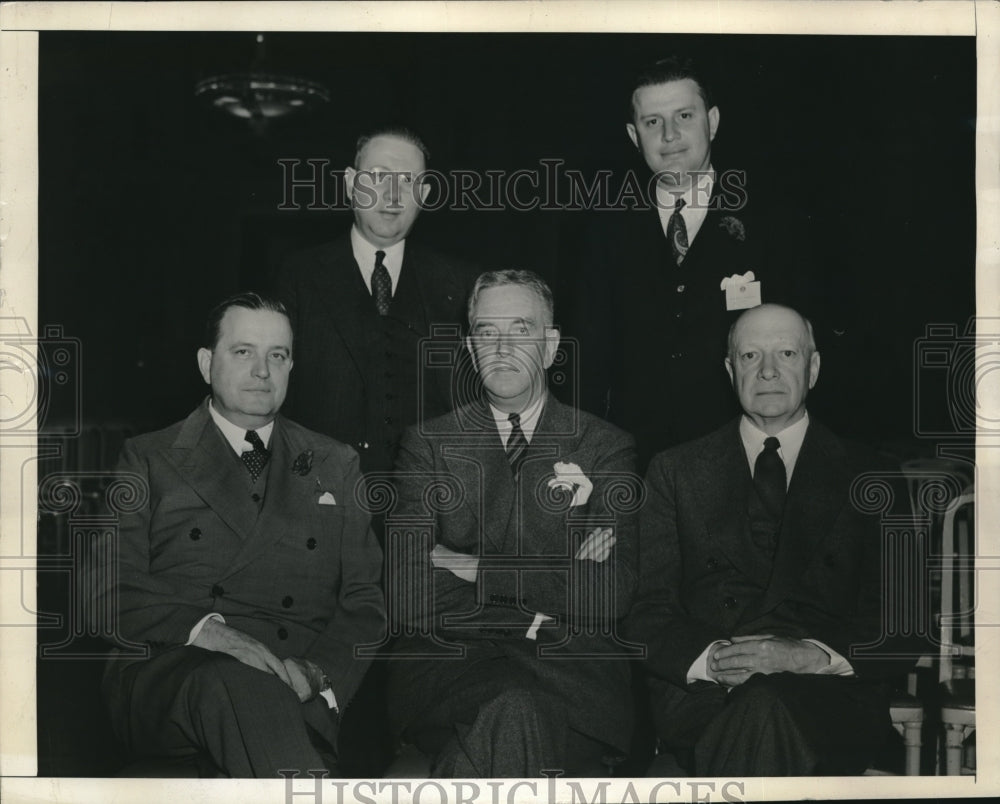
(761, 579)
(247, 569)
(511, 664)
(361, 305)
(648, 301)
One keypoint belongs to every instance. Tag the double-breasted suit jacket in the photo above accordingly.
(704, 580)
(301, 577)
(525, 535)
(653, 334)
(360, 377)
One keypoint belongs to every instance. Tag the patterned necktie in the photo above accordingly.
(677, 232)
(517, 444)
(769, 479)
(257, 457)
(381, 284)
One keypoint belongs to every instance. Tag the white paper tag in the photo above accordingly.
(742, 295)
(539, 619)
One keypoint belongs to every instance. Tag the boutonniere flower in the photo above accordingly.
(570, 477)
(736, 280)
(734, 227)
(303, 464)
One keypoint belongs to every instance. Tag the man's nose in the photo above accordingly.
(260, 367)
(768, 367)
(503, 345)
(669, 131)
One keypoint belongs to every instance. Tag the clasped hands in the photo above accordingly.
(596, 547)
(304, 677)
(733, 662)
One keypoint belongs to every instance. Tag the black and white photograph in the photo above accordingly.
(400, 400)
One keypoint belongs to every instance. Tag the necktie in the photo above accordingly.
(257, 457)
(677, 233)
(769, 479)
(517, 444)
(381, 284)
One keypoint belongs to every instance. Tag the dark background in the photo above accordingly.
(153, 207)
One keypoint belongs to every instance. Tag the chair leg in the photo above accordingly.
(954, 735)
(912, 741)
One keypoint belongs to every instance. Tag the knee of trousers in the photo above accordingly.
(224, 683)
(520, 703)
(760, 695)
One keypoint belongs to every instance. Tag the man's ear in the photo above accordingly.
(729, 370)
(813, 369)
(713, 122)
(205, 364)
(552, 338)
(349, 174)
(633, 134)
(472, 352)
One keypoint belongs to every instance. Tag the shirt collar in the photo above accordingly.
(236, 435)
(666, 199)
(529, 420)
(364, 252)
(791, 442)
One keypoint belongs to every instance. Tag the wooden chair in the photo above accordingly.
(956, 667)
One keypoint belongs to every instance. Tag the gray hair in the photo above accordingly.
(513, 276)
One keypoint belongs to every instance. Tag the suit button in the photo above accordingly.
(387, 420)
(287, 601)
(217, 591)
(311, 544)
(195, 534)
(282, 633)
(362, 445)
(712, 563)
(729, 602)
(410, 327)
(678, 315)
(255, 497)
(680, 288)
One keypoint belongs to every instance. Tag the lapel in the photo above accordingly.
(550, 441)
(720, 482)
(476, 457)
(207, 463)
(286, 494)
(340, 289)
(816, 495)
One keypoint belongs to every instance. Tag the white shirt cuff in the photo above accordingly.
(193, 635)
(698, 671)
(839, 666)
(536, 624)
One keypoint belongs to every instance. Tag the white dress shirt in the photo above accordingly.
(529, 420)
(695, 203)
(364, 255)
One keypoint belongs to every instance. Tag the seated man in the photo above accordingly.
(759, 576)
(509, 664)
(249, 570)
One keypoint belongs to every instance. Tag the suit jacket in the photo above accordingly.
(653, 334)
(300, 577)
(703, 580)
(337, 388)
(488, 514)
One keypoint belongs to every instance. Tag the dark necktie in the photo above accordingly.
(769, 479)
(517, 444)
(677, 233)
(257, 457)
(381, 284)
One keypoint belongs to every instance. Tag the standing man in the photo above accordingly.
(759, 577)
(649, 304)
(361, 305)
(250, 572)
(514, 668)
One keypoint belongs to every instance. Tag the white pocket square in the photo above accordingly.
(326, 498)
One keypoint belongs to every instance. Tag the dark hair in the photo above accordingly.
(512, 276)
(672, 68)
(400, 132)
(247, 299)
